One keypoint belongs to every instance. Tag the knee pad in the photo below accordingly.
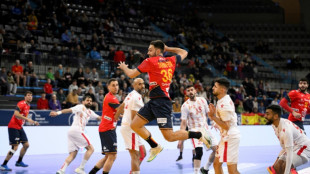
(12, 151)
(199, 153)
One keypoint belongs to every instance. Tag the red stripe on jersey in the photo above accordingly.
(193, 143)
(133, 138)
(225, 152)
(301, 150)
(86, 139)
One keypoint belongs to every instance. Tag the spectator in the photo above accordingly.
(119, 56)
(59, 78)
(176, 107)
(261, 108)
(18, 72)
(32, 22)
(30, 75)
(87, 75)
(68, 77)
(248, 104)
(94, 76)
(79, 76)
(174, 87)
(65, 37)
(240, 108)
(50, 75)
(42, 103)
(100, 98)
(94, 54)
(73, 86)
(99, 87)
(61, 98)
(255, 103)
(265, 101)
(36, 54)
(3, 81)
(92, 95)
(72, 99)
(48, 89)
(119, 95)
(275, 101)
(12, 86)
(54, 104)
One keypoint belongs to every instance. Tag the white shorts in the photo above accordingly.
(77, 140)
(132, 140)
(300, 156)
(228, 151)
(198, 143)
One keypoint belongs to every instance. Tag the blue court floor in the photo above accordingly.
(252, 160)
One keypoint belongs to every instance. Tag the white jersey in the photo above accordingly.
(290, 135)
(81, 117)
(195, 112)
(225, 110)
(134, 102)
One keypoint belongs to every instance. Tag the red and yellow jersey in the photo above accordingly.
(299, 103)
(17, 69)
(110, 103)
(23, 108)
(160, 70)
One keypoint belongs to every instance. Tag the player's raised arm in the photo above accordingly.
(64, 111)
(179, 51)
(131, 73)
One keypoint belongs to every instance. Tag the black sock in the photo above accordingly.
(20, 159)
(5, 162)
(181, 153)
(151, 142)
(94, 170)
(105, 172)
(196, 135)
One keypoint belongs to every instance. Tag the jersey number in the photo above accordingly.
(167, 75)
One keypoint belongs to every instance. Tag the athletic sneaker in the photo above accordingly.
(293, 171)
(21, 164)
(80, 170)
(5, 168)
(60, 172)
(204, 171)
(154, 152)
(179, 158)
(271, 170)
(205, 137)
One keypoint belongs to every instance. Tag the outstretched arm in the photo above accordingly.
(131, 73)
(64, 111)
(284, 104)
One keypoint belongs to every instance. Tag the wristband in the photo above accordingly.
(59, 112)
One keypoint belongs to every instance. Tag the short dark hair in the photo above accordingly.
(111, 80)
(158, 44)
(276, 109)
(86, 96)
(304, 79)
(223, 82)
(27, 92)
(189, 86)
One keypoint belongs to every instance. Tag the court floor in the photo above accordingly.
(252, 160)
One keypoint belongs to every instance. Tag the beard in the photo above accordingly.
(269, 122)
(192, 97)
(88, 106)
(303, 89)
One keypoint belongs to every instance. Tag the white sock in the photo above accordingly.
(64, 166)
(196, 170)
(83, 164)
(135, 172)
(207, 165)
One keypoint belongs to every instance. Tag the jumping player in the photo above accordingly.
(295, 144)
(76, 135)
(129, 108)
(300, 103)
(16, 132)
(160, 70)
(226, 119)
(194, 115)
(107, 128)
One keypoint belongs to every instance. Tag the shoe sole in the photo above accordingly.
(149, 160)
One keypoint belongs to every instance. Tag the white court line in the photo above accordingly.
(304, 171)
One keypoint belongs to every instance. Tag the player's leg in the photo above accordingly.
(135, 164)
(67, 162)
(11, 152)
(109, 162)
(205, 169)
(181, 147)
(98, 165)
(24, 141)
(232, 168)
(197, 159)
(88, 153)
(217, 165)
